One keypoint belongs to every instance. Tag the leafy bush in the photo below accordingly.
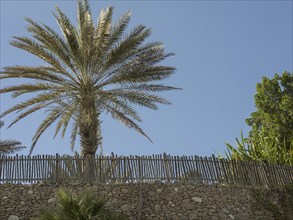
(264, 148)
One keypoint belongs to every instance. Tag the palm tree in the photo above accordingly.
(92, 68)
(9, 146)
(87, 207)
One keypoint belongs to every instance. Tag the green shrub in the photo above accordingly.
(72, 207)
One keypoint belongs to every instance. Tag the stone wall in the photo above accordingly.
(149, 200)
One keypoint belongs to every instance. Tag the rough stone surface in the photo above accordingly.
(13, 217)
(231, 216)
(196, 199)
(51, 200)
(153, 201)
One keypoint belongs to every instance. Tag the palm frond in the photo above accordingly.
(102, 32)
(138, 97)
(65, 118)
(51, 41)
(71, 36)
(50, 119)
(38, 50)
(127, 47)
(73, 135)
(30, 111)
(86, 26)
(39, 99)
(149, 87)
(9, 146)
(122, 106)
(118, 28)
(43, 73)
(30, 87)
(127, 122)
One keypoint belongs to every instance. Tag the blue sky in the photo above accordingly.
(223, 48)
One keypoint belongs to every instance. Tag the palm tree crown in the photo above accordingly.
(92, 68)
(9, 146)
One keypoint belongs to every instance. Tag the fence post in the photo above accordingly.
(140, 189)
(57, 168)
(166, 166)
(1, 161)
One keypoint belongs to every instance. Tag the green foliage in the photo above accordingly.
(90, 69)
(86, 207)
(282, 208)
(9, 146)
(271, 137)
(274, 104)
(265, 149)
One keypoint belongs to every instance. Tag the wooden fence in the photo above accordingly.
(164, 168)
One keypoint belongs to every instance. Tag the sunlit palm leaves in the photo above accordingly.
(90, 69)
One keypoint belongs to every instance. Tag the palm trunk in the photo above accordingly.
(90, 137)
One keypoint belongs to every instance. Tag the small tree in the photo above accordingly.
(274, 104)
(271, 137)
